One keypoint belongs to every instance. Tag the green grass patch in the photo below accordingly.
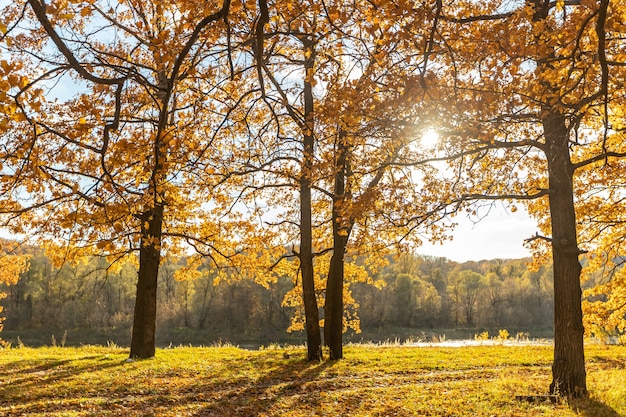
(371, 381)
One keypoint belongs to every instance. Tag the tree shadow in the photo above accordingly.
(28, 378)
(29, 384)
(257, 397)
(607, 362)
(53, 369)
(592, 408)
(272, 378)
(584, 406)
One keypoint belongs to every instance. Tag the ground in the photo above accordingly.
(372, 380)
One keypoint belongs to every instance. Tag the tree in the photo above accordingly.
(303, 118)
(365, 121)
(467, 287)
(494, 294)
(109, 169)
(526, 95)
(416, 301)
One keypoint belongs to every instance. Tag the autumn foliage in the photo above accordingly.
(250, 133)
(12, 263)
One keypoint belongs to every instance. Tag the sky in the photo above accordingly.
(501, 234)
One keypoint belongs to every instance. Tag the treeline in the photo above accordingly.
(411, 294)
(430, 293)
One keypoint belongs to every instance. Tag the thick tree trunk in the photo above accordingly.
(143, 339)
(568, 369)
(312, 323)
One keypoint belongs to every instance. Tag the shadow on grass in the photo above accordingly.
(296, 382)
(582, 406)
(293, 381)
(222, 383)
(53, 370)
(28, 378)
(52, 385)
(592, 408)
(608, 362)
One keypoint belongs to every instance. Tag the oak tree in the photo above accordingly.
(529, 85)
(104, 163)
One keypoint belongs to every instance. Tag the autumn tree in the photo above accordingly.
(118, 104)
(346, 111)
(293, 122)
(467, 287)
(530, 84)
(373, 116)
(600, 213)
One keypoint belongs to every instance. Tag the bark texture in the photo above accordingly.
(568, 368)
(143, 339)
(333, 308)
(312, 324)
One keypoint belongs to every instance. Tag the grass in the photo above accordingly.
(167, 336)
(370, 381)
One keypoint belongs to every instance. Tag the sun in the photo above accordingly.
(430, 138)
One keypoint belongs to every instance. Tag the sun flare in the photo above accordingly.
(430, 138)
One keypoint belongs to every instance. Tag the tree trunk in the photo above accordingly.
(206, 305)
(333, 307)
(143, 339)
(311, 313)
(568, 368)
(314, 339)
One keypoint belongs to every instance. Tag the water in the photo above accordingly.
(491, 342)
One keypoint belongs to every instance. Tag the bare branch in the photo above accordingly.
(39, 8)
(540, 193)
(264, 18)
(537, 236)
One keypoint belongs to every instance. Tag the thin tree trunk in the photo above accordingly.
(314, 339)
(143, 339)
(311, 313)
(333, 307)
(206, 305)
(568, 368)
(333, 321)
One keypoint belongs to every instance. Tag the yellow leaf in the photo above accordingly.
(560, 5)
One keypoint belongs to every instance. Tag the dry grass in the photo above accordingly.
(371, 381)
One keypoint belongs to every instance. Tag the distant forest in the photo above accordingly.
(413, 297)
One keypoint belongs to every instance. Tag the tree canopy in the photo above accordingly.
(253, 133)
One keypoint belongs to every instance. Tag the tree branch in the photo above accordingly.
(264, 18)
(39, 8)
(597, 158)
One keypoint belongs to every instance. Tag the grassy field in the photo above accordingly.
(370, 381)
